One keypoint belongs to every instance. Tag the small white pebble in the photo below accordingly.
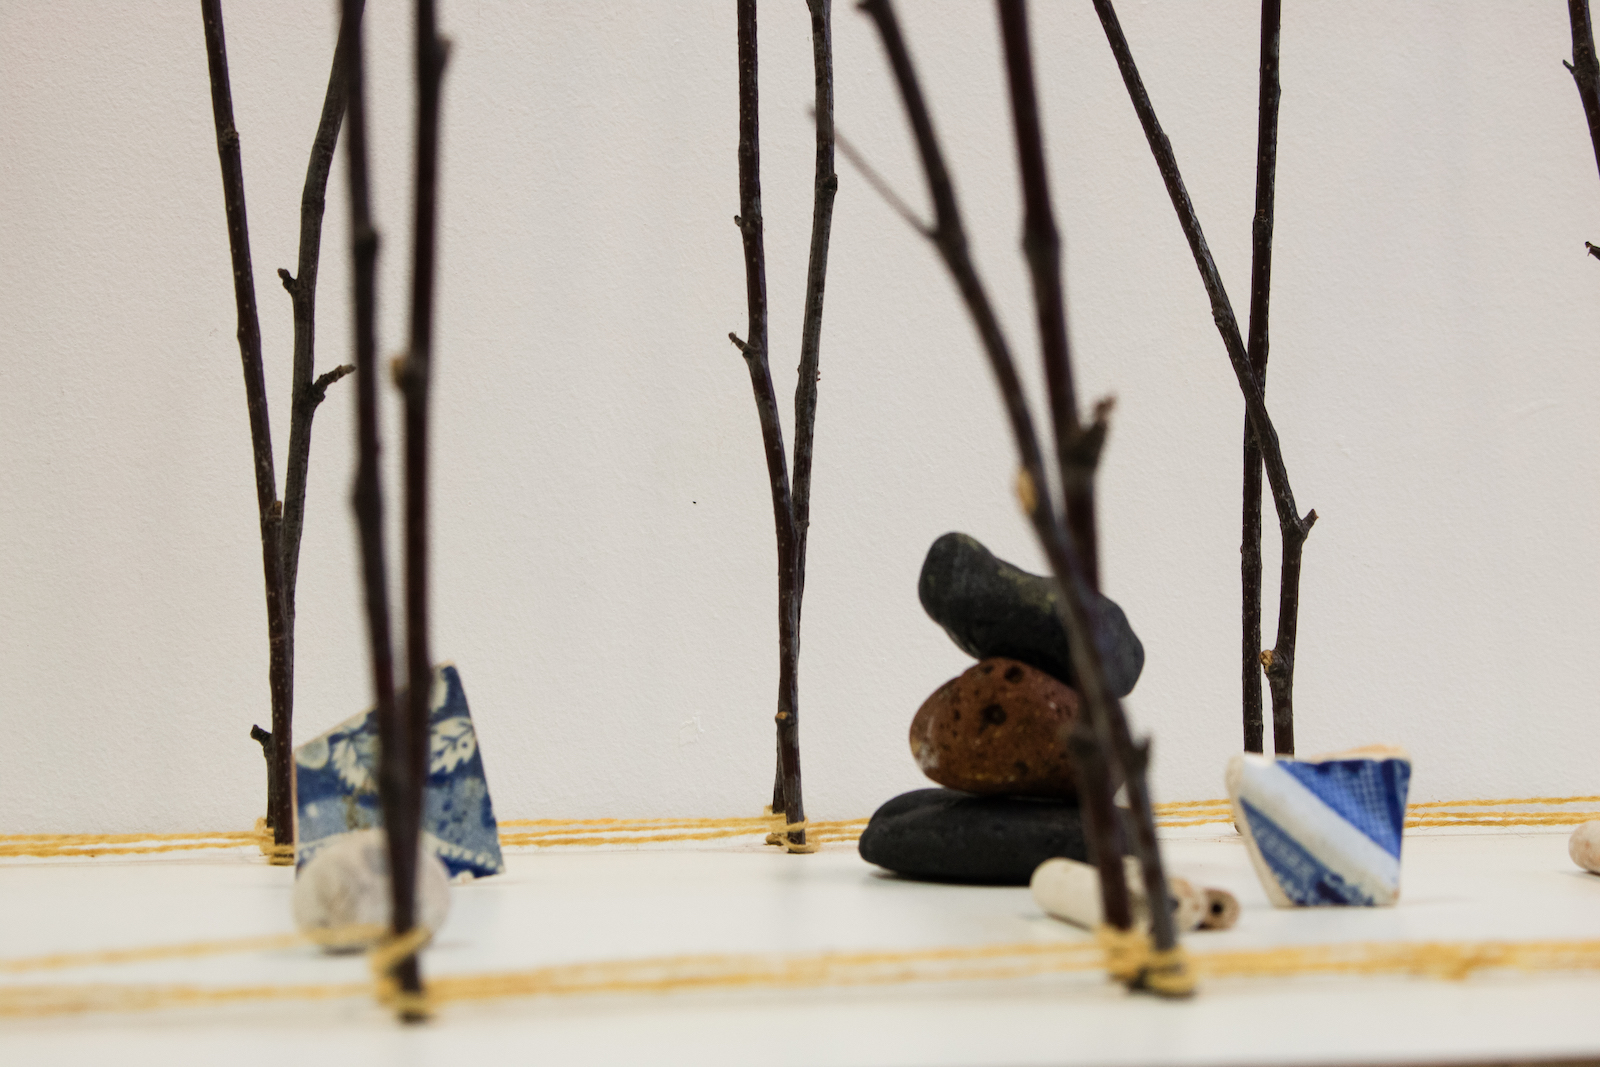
(1584, 846)
(347, 885)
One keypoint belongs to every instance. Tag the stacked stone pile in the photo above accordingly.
(995, 738)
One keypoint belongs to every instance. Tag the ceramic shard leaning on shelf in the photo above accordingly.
(1325, 830)
(336, 787)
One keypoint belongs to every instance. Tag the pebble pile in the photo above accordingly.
(995, 737)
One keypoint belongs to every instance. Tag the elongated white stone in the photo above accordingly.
(1584, 846)
(1070, 890)
(341, 896)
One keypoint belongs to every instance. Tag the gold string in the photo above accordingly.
(388, 954)
(554, 833)
(681, 974)
(781, 831)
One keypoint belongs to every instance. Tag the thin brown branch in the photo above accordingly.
(787, 796)
(279, 678)
(1292, 526)
(1585, 69)
(319, 388)
(305, 395)
(1110, 726)
(367, 496)
(1260, 297)
(1041, 243)
(825, 187)
(881, 186)
(416, 383)
(1042, 246)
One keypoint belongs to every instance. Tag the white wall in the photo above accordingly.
(605, 562)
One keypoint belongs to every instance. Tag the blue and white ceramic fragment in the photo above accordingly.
(336, 786)
(1327, 830)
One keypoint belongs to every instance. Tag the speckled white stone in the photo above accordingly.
(1584, 846)
(347, 885)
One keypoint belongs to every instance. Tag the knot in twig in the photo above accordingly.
(749, 351)
(1275, 664)
(1027, 491)
(400, 370)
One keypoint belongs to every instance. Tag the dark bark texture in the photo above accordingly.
(1260, 295)
(281, 521)
(270, 511)
(1279, 661)
(1111, 738)
(791, 508)
(1585, 71)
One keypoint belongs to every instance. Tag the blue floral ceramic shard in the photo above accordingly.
(336, 785)
(1326, 830)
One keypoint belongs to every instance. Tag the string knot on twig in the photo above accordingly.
(385, 957)
(277, 855)
(781, 830)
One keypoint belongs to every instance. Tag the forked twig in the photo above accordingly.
(1167, 972)
(1279, 661)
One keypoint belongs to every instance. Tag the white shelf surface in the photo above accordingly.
(574, 905)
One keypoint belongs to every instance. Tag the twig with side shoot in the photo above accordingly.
(269, 509)
(281, 522)
(791, 511)
(1166, 970)
(1585, 69)
(1280, 660)
(1260, 296)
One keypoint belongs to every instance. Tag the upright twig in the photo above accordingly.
(281, 522)
(1077, 450)
(1260, 294)
(268, 508)
(1585, 69)
(1166, 971)
(405, 765)
(1278, 661)
(306, 391)
(791, 514)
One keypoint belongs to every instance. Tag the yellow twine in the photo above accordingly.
(554, 833)
(1167, 972)
(385, 957)
(1127, 951)
(782, 830)
(277, 855)
(688, 973)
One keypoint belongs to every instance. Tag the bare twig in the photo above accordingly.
(1077, 453)
(302, 288)
(826, 185)
(787, 796)
(881, 186)
(269, 510)
(367, 500)
(1294, 528)
(411, 763)
(1260, 295)
(1585, 69)
(1110, 726)
(1041, 243)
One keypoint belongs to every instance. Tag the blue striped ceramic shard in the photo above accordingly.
(336, 790)
(1324, 831)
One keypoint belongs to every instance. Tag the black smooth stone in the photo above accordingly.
(991, 608)
(943, 835)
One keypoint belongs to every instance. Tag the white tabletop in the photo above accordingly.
(562, 906)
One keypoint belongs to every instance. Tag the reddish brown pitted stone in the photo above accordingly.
(1000, 728)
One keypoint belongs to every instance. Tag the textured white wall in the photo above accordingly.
(605, 561)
